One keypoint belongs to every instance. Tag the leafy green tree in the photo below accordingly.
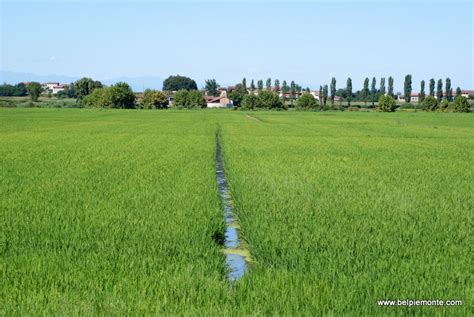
(18, 90)
(196, 99)
(333, 90)
(382, 86)
(237, 95)
(349, 91)
(422, 91)
(100, 98)
(211, 87)
(458, 92)
(386, 104)
(365, 91)
(439, 90)
(250, 102)
(268, 84)
(325, 94)
(34, 90)
(252, 86)
(86, 86)
(430, 103)
(373, 91)
(123, 96)
(407, 88)
(449, 90)
(277, 85)
(269, 100)
(432, 87)
(175, 83)
(154, 99)
(260, 85)
(390, 86)
(189, 99)
(306, 101)
(461, 104)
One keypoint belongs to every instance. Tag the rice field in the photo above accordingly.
(118, 212)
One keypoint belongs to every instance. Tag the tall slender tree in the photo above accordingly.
(458, 92)
(365, 91)
(268, 84)
(321, 95)
(449, 90)
(333, 90)
(422, 91)
(252, 86)
(244, 86)
(390, 86)
(407, 88)
(349, 91)
(277, 85)
(373, 91)
(260, 85)
(382, 86)
(284, 88)
(325, 94)
(432, 87)
(439, 90)
(292, 91)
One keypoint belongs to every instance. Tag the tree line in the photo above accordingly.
(257, 95)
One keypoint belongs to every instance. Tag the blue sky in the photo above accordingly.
(306, 41)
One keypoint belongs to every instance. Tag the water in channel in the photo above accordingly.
(237, 257)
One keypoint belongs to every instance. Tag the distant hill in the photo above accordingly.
(138, 84)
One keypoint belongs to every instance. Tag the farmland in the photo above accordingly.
(118, 211)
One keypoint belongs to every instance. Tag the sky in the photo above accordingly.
(305, 41)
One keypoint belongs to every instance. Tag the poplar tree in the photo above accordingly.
(260, 85)
(439, 90)
(365, 91)
(268, 84)
(321, 97)
(449, 90)
(458, 92)
(349, 91)
(244, 86)
(325, 94)
(382, 86)
(422, 91)
(432, 87)
(284, 87)
(390, 86)
(407, 88)
(373, 91)
(252, 86)
(333, 90)
(277, 85)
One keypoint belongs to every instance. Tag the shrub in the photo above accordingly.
(407, 105)
(430, 103)
(386, 104)
(306, 101)
(154, 99)
(461, 104)
(443, 106)
(250, 102)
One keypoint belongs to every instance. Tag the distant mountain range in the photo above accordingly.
(138, 84)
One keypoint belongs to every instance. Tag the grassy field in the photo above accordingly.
(114, 212)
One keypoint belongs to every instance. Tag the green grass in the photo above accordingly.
(114, 212)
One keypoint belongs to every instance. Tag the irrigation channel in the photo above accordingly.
(237, 256)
